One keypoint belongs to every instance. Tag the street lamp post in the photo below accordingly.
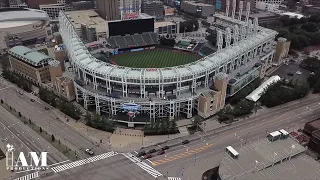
(274, 158)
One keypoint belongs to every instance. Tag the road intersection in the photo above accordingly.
(177, 161)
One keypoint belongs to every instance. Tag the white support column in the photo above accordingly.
(171, 110)
(85, 100)
(152, 112)
(240, 10)
(234, 5)
(97, 104)
(178, 106)
(189, 108)
(250, 28)
(113, 107)
(95, 85)
(206, 80)
(142, 84)
(220, 40)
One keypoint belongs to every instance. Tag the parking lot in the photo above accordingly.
(291, 72)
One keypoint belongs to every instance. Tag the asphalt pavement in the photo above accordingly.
(24, 139)
(49, 120)
(181, 159)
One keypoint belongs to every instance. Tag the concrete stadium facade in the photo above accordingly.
(148, 87)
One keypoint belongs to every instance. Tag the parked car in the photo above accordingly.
(161, 152)
(299, 72)
(165, 148)
(290, 74)
(142, 153)
(32, 100)
(147, 156)
(152, 151)
(46, 108)
(185, 142)
(89, 151)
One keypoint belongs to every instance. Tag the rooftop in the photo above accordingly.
(196, 3)
(162, 24)
(20, 17)
(88, 17)
(261, 14)
(256, 94)
(28, 55)
(262, 160)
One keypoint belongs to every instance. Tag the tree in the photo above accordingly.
(30, 121)
(1, 101)
(225, 114)
(243, 107)
(310, 27)
(19, 114)
(40, 130)
(52, 138)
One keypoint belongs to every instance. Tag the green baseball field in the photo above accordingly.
(155, 58)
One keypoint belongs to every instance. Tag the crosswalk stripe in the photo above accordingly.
(174, 178)
(28, 176)
(82, 162)
(150, 170)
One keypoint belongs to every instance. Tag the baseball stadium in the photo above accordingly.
(145, 80)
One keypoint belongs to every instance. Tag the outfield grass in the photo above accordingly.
(155, 58)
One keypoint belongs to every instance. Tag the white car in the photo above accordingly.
(299, 72)
(89, 151)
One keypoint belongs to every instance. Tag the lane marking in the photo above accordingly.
(181, 155)
(57, 162)
(241, 132)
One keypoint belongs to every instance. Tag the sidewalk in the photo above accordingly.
(131, 139)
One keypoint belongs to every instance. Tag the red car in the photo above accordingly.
(147, 156)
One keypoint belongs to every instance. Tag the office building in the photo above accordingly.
(128, 7)
(164, 28)
(152, 8)
(108, 9)
(82, 5)
(265, 17)
(31, 64)
(197, 8)
(88, 24)
(53, 9)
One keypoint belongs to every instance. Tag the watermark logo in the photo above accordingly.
(21, 161)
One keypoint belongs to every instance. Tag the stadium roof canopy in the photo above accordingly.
(28, 55)
(256, 94)
(12, 17)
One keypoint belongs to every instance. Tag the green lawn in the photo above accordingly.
(155, 58)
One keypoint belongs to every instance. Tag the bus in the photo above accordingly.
(274, 136)
(232, 152)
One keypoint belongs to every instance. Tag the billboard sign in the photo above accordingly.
(169, 12)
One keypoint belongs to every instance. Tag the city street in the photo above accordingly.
(24, 139)
(49, 120)
(210, 146)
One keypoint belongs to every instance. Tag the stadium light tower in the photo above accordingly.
(247, 12)
(255, 24)
(236, 33)
(243, 32)
(227, 7)
(234, 5)
(240, 10)
(220, 40)
(250, 27)
(228, 37)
